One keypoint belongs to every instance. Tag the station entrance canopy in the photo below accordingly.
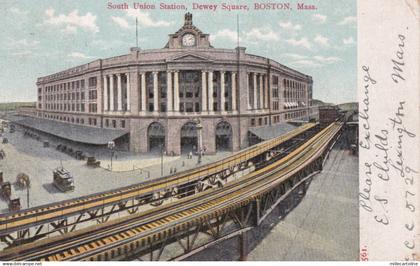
(77, 133)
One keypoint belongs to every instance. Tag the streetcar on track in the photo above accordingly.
(63, 180)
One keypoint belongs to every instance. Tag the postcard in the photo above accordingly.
(209, 131)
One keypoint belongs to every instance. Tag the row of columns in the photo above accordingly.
(111, 106)
(206, 85)
(259, 81)
(143, 93)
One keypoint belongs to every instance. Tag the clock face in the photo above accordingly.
(188, 40)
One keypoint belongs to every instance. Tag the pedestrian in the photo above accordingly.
(190, 155)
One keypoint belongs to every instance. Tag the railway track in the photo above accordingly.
(111, 240)
(11, 222)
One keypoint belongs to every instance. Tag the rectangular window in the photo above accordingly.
(189, 107)
(92, 82)
(114, 123)
(163, 107)
(122, 123)
(107, 122)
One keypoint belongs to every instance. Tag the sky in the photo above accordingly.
(38, 38)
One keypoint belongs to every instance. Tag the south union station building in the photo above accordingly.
(187, 96)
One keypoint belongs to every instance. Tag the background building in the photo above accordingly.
(188, 95)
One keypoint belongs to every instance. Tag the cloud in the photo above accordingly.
(22, 53)
(145, 20)
(18, 11)
(77, 55)
(289, 26)
(111, 44)
(120, 21)
(349, 41)
(224, 34)
(304, 42)
(73, 21)
(319, 18)
(261, 34)
(305, 63)
(22, 44)
(299, 60)
(295, 56)
(348, 21)
(324, 41)
(21, 47)
(327, 60)
(70, 29)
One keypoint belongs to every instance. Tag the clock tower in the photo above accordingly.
(188, 36)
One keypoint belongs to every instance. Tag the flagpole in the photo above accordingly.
(137, 35)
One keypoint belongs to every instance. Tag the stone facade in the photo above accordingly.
(188, 82)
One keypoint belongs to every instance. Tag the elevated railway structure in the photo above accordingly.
(191, 223)
(67, 216)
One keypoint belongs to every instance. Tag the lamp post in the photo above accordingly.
(161, 159)
(111, 146)
(27, 194)
(199, 128)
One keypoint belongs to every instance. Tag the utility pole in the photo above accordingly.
(161, 159)
(27, 195)
(111, 146)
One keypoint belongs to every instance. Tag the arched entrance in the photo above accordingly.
(189, 138)
(156, 136)
(223, 136)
